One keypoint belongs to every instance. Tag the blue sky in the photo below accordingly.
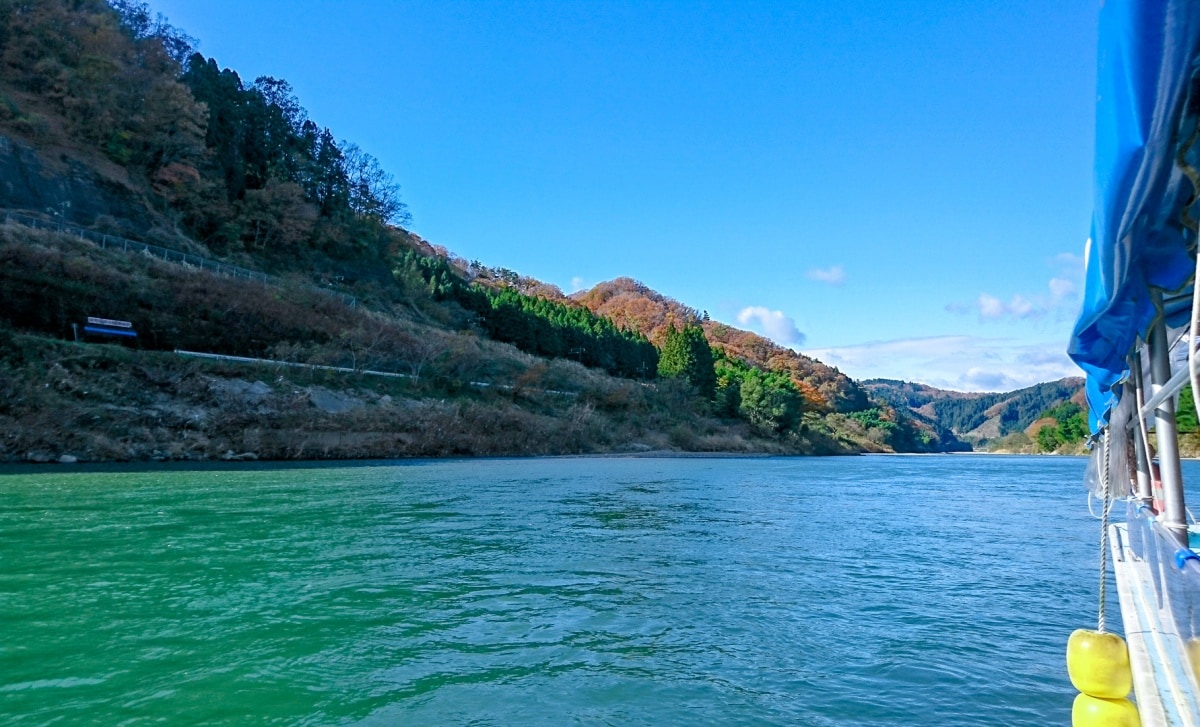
(900, 189)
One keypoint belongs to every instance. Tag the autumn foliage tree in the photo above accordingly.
(285, 184)
(633, 305)
(112, 74)
(237, 166)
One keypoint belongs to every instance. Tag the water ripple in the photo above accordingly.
(869, 591)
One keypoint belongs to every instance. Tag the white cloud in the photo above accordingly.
(962, 363)
(578, 284)
(981, 379)
(833, 275)
(991, 307)
(1022, 307)
(771, 323)
(1059, 303)
(1061, 288)
(1061, 298)
(1070, 263)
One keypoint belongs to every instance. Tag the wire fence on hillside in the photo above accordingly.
(346, 370)
(114, 242)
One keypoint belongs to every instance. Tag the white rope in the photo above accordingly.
(1104, 536)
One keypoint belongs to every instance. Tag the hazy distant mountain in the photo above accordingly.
(978, 417)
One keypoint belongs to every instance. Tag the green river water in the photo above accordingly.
(936, 590)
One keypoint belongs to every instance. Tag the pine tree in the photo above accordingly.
(686, 353)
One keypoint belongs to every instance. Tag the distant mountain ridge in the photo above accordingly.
(978, 417)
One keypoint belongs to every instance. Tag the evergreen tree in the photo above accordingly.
(768, 400)
(1070, 426)
(533, 324)
(1049, 438)
(686, 353)
(1185, 412)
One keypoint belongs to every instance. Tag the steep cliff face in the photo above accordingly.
(67, 187)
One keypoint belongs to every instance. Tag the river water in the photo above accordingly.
(878, 590)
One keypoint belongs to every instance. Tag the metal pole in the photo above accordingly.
(1144, 479)
(1175, 517)
(1143, 470)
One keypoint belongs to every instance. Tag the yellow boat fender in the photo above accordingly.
(1193, 654)
(1089, 711)
(1098, 661)
(1098, 664)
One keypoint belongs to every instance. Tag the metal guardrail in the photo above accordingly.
(114, 242)
(345, 370)
(291, 364)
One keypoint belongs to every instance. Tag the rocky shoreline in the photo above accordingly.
(75, 403)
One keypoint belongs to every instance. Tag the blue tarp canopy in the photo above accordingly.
(1145, 113)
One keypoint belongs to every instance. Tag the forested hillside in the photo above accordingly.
(635, 306)
(110, 121)
(992, 418)
(1013, 411)
(764, 382)
(911, 395)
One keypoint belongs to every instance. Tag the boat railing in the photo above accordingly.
(1175, 573)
